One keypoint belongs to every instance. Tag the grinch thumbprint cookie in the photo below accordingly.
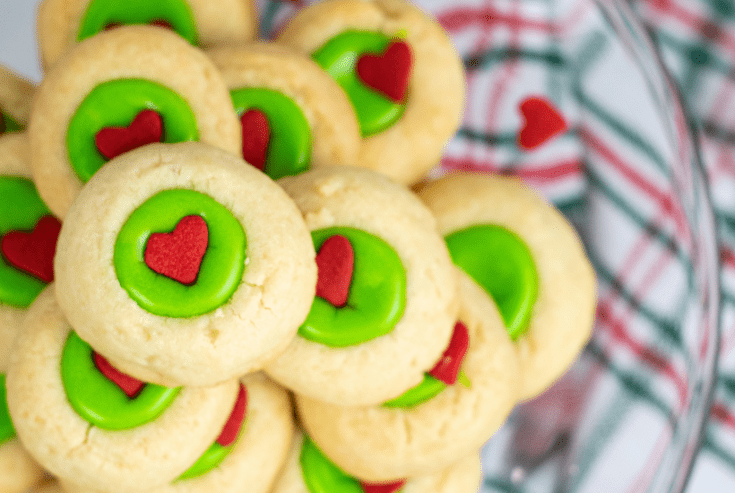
(84, 419)
(529, 259)
(203, 23)
(399, 70)
(123, 89)
(458, 406)
(386, 298)
(293, 115)
(185, 265)
(308, 470)
(16, 95)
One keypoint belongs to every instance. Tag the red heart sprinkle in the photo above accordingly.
(33, 252)
(234, 422)
(178, 254)
(382, 487)
(130, 385)
(387, 73)
(146, 128)
(335, 263)
(256, 134)
(448, 366)
(543, 122)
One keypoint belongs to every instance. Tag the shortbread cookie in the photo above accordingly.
(63, 23)
(85, 424)
(386, 296)
(474, 388)
(256, 456)
(399, 69)
(293, 115)
(16, 94)
(184, 265)
(544, 286)
(308, 470)
(119, 90)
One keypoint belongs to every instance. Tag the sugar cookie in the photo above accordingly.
(16, 94)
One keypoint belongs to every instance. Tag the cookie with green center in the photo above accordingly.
(308, 470)
(256, 456)
(123, 89)
(386, 298)
(529, 259)
(370, 441)
(306, 119)
(64, 23)
(399, 69)
(16, 94)
(199, 273)
(145, 453)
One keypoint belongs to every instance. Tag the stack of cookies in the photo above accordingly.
(225, 267)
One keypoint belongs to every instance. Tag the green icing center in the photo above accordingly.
(99, 400)
(20, 210)
(116, 103)
(7, 124)
(499, 261)
(7, 432)
(101, 13)
(321, 475)
(221, 268)
(338, 57)
(376, 298)
(289, 149)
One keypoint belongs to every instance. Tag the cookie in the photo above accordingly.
(63, 23)
(455, 410)
(399, 69)
(80, 422)
(386, 298)
(293, 115)
(308, 470)
(544, 286)
(18, 471)
(255, 457)
(119, 90)
(184, 265)
(16, 94)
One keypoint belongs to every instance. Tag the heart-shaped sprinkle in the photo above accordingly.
(130, 385)
(335, 264)
(448, 366)
(234, 422)
(543, 122)
(387, 73)
(33, 252)
(382, 487)
(256, 134)
(178, 254)
(146, 128)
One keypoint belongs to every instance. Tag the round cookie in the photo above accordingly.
(401, 72)
(63, 23)
(52, 486)
(50, 426)
(256, 456)
(119, 90)
(308, 120)
(545, 289)
(400, 298)
(372, 442)
(16, 95)
(204, 257)
(306, 463)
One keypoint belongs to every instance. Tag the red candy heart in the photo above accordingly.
(146, 128)
(335, 263)
(387, 73)
(178, 254)
(33, 252)
(382, 487)
(256, 134)
(448, 366)
(542, 123)
(130, 385)
(232, 427)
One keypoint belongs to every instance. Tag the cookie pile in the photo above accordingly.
(224, 265)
